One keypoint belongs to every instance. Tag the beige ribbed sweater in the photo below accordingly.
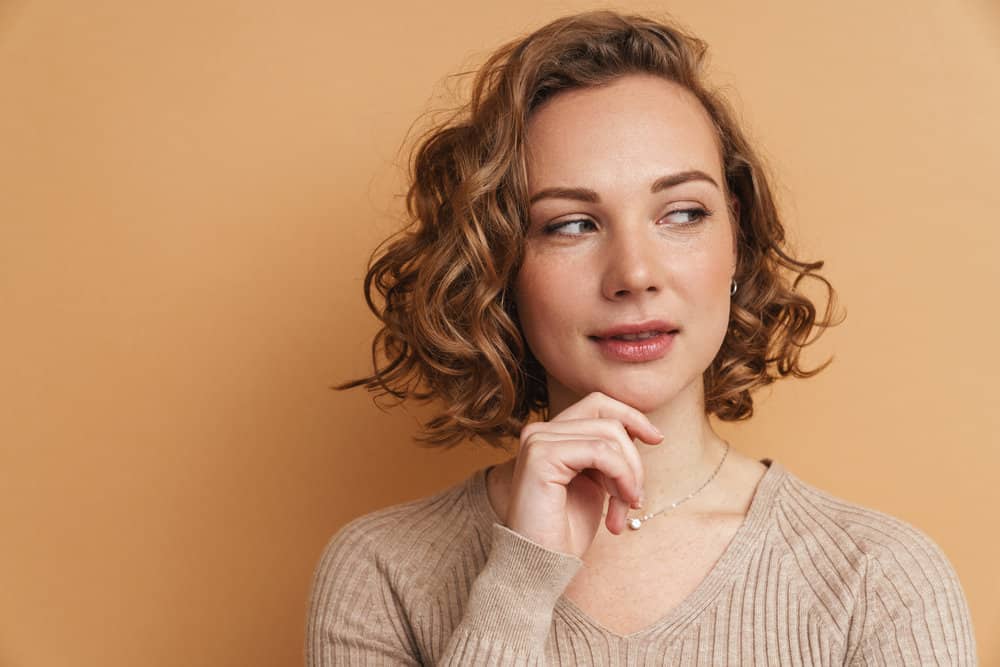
(808, 579)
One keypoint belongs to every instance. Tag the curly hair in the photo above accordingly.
(449, 327)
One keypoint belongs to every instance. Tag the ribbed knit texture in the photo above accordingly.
(808, 579)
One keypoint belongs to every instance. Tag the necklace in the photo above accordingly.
(635, 523)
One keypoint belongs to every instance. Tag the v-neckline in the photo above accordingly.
(734, 555)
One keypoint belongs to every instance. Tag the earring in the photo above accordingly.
(732, 290)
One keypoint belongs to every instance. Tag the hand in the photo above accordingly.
(567, 467)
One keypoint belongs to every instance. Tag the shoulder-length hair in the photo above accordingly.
(449, 328)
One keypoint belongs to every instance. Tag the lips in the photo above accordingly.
(638, 330)
(645, 335)
(636, 342)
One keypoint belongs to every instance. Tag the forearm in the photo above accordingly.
(509, 610)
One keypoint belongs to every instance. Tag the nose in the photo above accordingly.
(634, 264)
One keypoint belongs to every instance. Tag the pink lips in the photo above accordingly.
(639, 350)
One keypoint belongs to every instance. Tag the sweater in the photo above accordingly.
(807, 579)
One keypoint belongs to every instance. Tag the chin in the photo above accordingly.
(644, 397)
(645, 402)
(638, 387)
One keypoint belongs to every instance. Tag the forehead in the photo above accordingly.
(634, 129)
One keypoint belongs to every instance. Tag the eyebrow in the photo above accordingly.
(584, 194)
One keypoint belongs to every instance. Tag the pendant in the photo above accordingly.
(635, 524)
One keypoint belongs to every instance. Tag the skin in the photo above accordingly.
(631, 431)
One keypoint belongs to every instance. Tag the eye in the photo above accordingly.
(695, 215)
(561, 227)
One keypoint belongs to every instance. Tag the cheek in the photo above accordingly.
(530, 295)
(524, 298)
(713, 294)
(714, 264)
(704, 290)
(698, 271)
(546, 301)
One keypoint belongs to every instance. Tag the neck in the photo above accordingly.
(683, 461)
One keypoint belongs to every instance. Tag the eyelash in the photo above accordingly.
(698, 213)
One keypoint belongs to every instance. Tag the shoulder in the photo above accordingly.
(859, 532)
(892, 580)
(369, 586)
(412, 539)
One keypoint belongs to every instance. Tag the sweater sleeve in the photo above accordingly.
(913, 611)
(509, 610)
(356, 614)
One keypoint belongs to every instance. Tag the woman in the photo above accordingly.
(596, 244)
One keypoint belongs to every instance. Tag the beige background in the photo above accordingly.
(190, 191)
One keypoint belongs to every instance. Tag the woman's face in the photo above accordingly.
(628, 228)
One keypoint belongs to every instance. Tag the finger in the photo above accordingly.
(609, 485)
(610, 429)
(603, 482)
(617, 440)
(612, 500)
(617, 515)
(571, 457)
(603, 406)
